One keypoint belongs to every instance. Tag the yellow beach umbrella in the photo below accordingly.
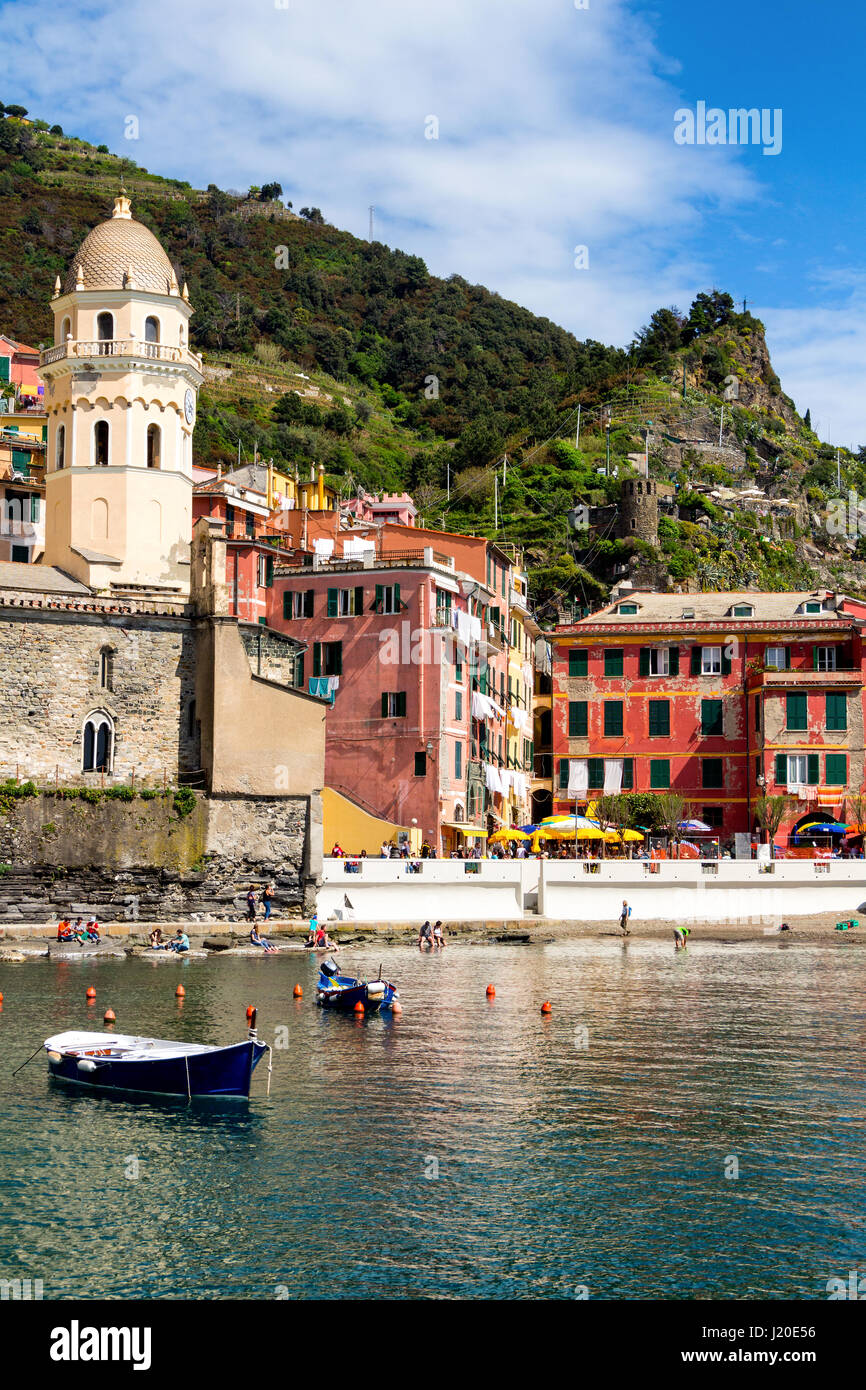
(618, 836)
(508, 833)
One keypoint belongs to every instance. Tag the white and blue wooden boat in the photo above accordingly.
(153, 1066)
(336, 991)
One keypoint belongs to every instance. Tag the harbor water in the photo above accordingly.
(681, 1126)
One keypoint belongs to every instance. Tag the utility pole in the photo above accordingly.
(721, 424)
(448, 478)
(372, 210)
(838, 473)
(504, 469)
(239, 451)
(577, 437)
(607, 432)
(496, 501)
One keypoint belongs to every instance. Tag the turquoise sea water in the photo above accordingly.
(468, 1149)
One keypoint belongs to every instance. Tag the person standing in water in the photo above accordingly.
(681, 936)
(623, 918)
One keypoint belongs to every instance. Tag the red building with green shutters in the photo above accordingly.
(718, 696)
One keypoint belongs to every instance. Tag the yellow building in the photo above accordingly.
(120, 392)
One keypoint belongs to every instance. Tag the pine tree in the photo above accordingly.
(807, 419)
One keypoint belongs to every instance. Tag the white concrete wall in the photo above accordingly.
(730, 890)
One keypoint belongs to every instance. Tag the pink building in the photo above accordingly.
(406, 637)
(397, 508)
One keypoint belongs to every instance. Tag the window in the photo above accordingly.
(420, 764)
(613, 718)
(595, 770)
(742, 610)
(298, 603)
(106, 668)
(659, 661)
(814, 606)
(98, 743)
(345, 603)
(713, 816)
(387, 599)
(458, 706)
(660, 774)
(577, 719)
(100, 443)
(711, 661)
(266, 571)
(250, 524)
(154, 446)
(628, 609)
(151, 329)
(60, 447)
(824, 658)
(613, 663)
(458, 670)
(796, 769)
(659, 718)
(627, 774)
(712, 716)
(777, 658)
(712, 773)
(105, 330)
(577, 662)
(65, 330)
(393, 704)
(327, 658)
(837, 769)
(836, 711)
(230, 518)
(458, 760)
(795, 712)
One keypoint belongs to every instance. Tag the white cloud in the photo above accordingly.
(819, 355)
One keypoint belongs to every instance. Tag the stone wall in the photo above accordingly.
(50, 662)
(140, 861)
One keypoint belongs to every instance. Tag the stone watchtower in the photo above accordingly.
(639, 510)
(121, 387)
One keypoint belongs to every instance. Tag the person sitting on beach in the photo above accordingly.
(438, 934)
(179, 942)
(425, 936)
(64, 930)
(262, 941)
(156, 941)
(92, 931)
(79, 934)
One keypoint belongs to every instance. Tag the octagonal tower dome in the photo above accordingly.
(121, 254)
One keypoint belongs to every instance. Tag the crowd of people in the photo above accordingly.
(84, 933)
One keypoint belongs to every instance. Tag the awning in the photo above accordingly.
(465, 828)
(450, 585)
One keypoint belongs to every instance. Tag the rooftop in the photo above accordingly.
(655, 608)
(119, 254)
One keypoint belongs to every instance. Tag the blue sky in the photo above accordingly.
(555, 130)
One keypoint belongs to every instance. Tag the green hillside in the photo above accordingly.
(410, 381)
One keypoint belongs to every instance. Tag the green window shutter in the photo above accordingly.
(613, 718)
(660, 774)
(4, 368)
(781, 769)
(338, 663)
(659, 718)
(643, 666)
(595, 767)
(384, 704)
(269, 572)
(44, 434)
(695, 661)
(712, 773)
(837, 711)
(814, 658)
(359, 600)
(577, 661)
(309, 595)
(397, 604)
(837, 769)
(299, 671)
(563, 772)
(287, 603)
(712, 717)
(795, 712)
(726, 661)
(673, 661)
(813, 775)
(577, 719)
(613, 663)
(627, 774)
(377, 602)
(317, 658)
(332, 603)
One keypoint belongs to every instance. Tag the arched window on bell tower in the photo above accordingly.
(154, 446)
(151, 329)
(105, 330)
(60, 447)
(65, 330)
(101, 434)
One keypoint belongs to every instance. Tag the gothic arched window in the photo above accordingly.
(106, 668)
(100, 443)
(98, 743)
(154, 446)
(105, 330)
(151, 329)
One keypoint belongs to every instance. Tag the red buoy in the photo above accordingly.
(109, 1016)
(359, 1007)
(91, 993)
(546, 1007)
(491, 992)
(180, 992)
(1, 998)
(297, 992)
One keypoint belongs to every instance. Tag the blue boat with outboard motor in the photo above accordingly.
(336, 991)
(155, 1067)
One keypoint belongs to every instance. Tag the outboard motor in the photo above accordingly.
(329, 968)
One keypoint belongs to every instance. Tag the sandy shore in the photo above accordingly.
(288, 936)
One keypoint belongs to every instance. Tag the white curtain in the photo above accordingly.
(612, 775)
(578, 777)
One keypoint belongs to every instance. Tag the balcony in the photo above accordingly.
(82, 349)
(842, 676)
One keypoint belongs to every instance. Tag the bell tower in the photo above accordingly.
(120, 389)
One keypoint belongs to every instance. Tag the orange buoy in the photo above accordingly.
(180, 992)
(109, 1016)
(91, 993)
(359, 1007)
(396, 1007)
(1, 998)
(297, 992)
(250, 1011)
(491, 992)
(546, 1007)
